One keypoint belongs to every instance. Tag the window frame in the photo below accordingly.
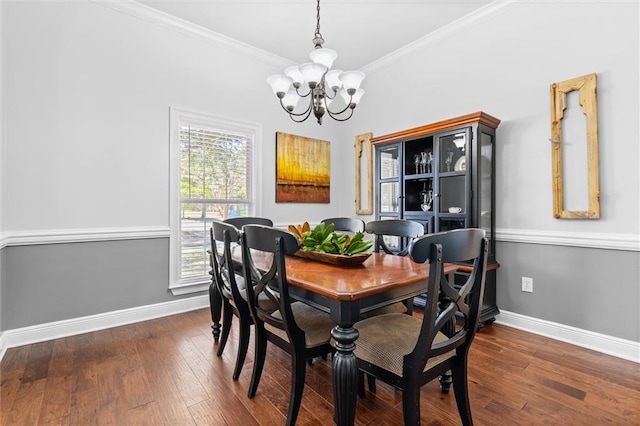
(178, 117)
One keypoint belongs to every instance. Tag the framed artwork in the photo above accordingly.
(364, 167)
(303, 169)
(574, 154)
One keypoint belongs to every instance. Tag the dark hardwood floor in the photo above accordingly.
(165, 372)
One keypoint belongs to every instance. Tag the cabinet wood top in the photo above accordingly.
(476, 117)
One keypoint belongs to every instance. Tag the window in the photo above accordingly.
(212, 177)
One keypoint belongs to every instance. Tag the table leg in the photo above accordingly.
(215, 304)
(345, 375)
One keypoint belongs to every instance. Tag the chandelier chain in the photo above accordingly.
(318, 20)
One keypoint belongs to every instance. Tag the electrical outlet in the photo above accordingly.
(527, 284)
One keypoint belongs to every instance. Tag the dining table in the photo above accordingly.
(346, 293)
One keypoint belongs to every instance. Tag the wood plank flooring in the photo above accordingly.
(165, 372)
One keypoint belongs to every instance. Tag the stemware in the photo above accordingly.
(416, 160)
(449, 160)
(423, 162)
(429, 162)
(426, 198)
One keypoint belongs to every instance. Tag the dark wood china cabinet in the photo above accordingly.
(442, 175)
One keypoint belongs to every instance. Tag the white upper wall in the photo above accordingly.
(87, 91)
(2, 144)
(503, 64)
(87, 97)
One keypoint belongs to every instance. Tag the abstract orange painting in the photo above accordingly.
(303, 169)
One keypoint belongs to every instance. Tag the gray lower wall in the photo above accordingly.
(53, 282)
(2, 290)
(591, 289)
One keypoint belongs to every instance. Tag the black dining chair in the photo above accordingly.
(407, 352)
(401, 231)
(347, 224)
(230, 285)
(240, 221)
(391, 234)
(297, 328)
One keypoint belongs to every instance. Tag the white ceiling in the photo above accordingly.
(360, 31)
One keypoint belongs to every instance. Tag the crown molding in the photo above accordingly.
(155, 16)
(441, 33)
(60, 236)
(626, 242)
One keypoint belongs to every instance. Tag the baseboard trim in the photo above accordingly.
(621, 348)
(71, 327)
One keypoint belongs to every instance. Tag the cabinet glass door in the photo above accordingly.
(452, 204)
(486, 187)
(389, 180)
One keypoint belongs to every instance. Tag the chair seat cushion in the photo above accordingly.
(385, 340)
(396, 308)
(316, 324)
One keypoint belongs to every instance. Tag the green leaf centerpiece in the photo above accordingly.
(323, 243)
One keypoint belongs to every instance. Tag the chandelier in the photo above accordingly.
(319, 83)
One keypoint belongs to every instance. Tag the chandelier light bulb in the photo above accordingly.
(323, 56)
(350, 100)
(290, 100)
(313, 73)
(280, 84)
(296, 75)
(351, 80)
(332, 80)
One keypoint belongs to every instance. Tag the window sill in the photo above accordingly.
(191, 287)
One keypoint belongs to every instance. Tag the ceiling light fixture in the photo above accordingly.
(317, 81)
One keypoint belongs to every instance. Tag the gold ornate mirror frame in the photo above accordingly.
(364, 156)
(586, 86)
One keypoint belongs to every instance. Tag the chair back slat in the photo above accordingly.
(226, 235)
(347, 224)
(240, 221)
(272, 282)
(406, 230)
(456, 246)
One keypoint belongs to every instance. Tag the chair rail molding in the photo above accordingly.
(626, 242)
(61, 236)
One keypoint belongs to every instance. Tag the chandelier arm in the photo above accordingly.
(292, 114)
(308, 113)
(345, 108)
(335, 115)
(301, 95)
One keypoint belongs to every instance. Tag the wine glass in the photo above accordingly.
(416, 160)
(449, 160)
(426, 198)
(429, 162)
(423, 162)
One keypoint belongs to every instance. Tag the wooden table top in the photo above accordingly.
(379, 273)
